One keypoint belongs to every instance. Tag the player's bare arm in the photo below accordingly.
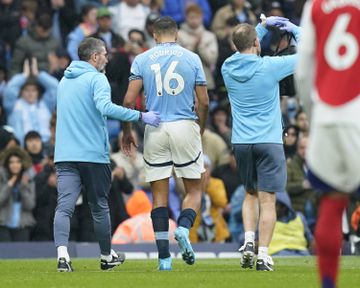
(203, 106)
(134, 89)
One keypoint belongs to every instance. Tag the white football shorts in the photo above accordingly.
(173, 145)
(333, 155)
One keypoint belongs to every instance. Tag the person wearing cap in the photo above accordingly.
(112, 40)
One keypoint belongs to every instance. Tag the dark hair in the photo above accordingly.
(86, 9)
(232, 21)
(44, 21)
(32, 81)
(165, 26)
(32, 135)
(7, 165)
(139, 32)
(152, 17)
(300, 111)
(89, 46)
(292, 126)
(244, 36)
(22, 155)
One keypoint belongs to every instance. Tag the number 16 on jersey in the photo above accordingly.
(165, 83)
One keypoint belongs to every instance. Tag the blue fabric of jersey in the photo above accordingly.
(253, 90)
(170, 74)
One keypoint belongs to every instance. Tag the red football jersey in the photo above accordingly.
(337, 30)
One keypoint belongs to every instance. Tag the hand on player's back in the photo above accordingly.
(152, 118)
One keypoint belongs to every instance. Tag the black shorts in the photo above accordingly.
(262, 167)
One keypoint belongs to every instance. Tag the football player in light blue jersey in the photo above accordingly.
(175, 86)
(169, 73)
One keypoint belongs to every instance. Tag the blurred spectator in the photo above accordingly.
(149, 30)
(117, 72)
(238, 8)
(228, 174)
(99, 3)
(38, 43)
(138, 228)
(300, 191)
(292, 236)
(49, 146)
(6, 139)
(291, 134)
(226, 49)
(29, 9)
(132, 164)
(63, 18)
(271, 42)
(194, 37)
(301, 121)
(112, 40)
(215, 147)
(355, 219)
(86, 28)
(176, 10)
(3, 80)
(120, 186)
(274, 8)
(34, 146)
(59, 61)
(127, 15)
(220, 123)
(155, 6)
(136, 44)
(26, 106)
(217, 4)
(118, 67)
(46, 200)
(210, 214)
(17, 196)
(9, 28)
(235, 223)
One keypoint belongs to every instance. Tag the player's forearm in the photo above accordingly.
(261, 31)
(203, 114)
(126, 128)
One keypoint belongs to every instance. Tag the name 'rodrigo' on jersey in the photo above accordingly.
(170, 74)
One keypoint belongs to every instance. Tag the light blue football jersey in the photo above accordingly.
(170, 74)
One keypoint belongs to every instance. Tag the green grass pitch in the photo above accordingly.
(217, 273)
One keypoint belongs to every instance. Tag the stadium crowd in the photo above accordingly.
(39, 39)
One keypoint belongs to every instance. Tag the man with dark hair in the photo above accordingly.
(82, 148)
(172, 77)
(252, 83)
